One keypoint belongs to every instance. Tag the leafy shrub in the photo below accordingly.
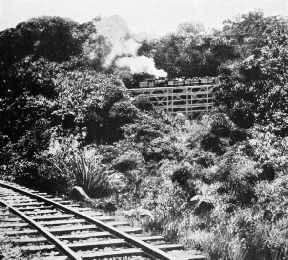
(183, 176)
(125, 164)
(108, 152)
(128, 161)
(122, 112)
(268, 172)
(242, 114)
(68, 120)
(143, 103)
(147, 133)
(158, 149)
(205, 159)
(112, 94)
(237, 135)
(41, 175)
(221, 125)
(211, 142)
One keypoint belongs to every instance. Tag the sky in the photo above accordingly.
(150, 16)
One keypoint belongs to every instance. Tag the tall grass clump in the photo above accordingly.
(91, 174)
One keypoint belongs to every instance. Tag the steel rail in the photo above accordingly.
(62, 247)
(150, 250)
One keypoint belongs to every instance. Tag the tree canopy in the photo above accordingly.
(53, 38)
(258, 79)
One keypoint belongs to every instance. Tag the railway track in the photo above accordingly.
(57, 229)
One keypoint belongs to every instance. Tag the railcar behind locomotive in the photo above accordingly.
(165, 82)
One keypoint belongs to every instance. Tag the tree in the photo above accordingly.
(191, 51)
(246, 32)
(95, 102)
(53, 38)
(27, 93)
(259, 77)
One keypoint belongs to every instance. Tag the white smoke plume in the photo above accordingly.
(136, 64)
(139, 64)
(124, 47)
(121, 48)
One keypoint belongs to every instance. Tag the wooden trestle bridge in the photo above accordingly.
(192, 100)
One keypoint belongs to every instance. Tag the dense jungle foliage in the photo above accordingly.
(218, 184)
